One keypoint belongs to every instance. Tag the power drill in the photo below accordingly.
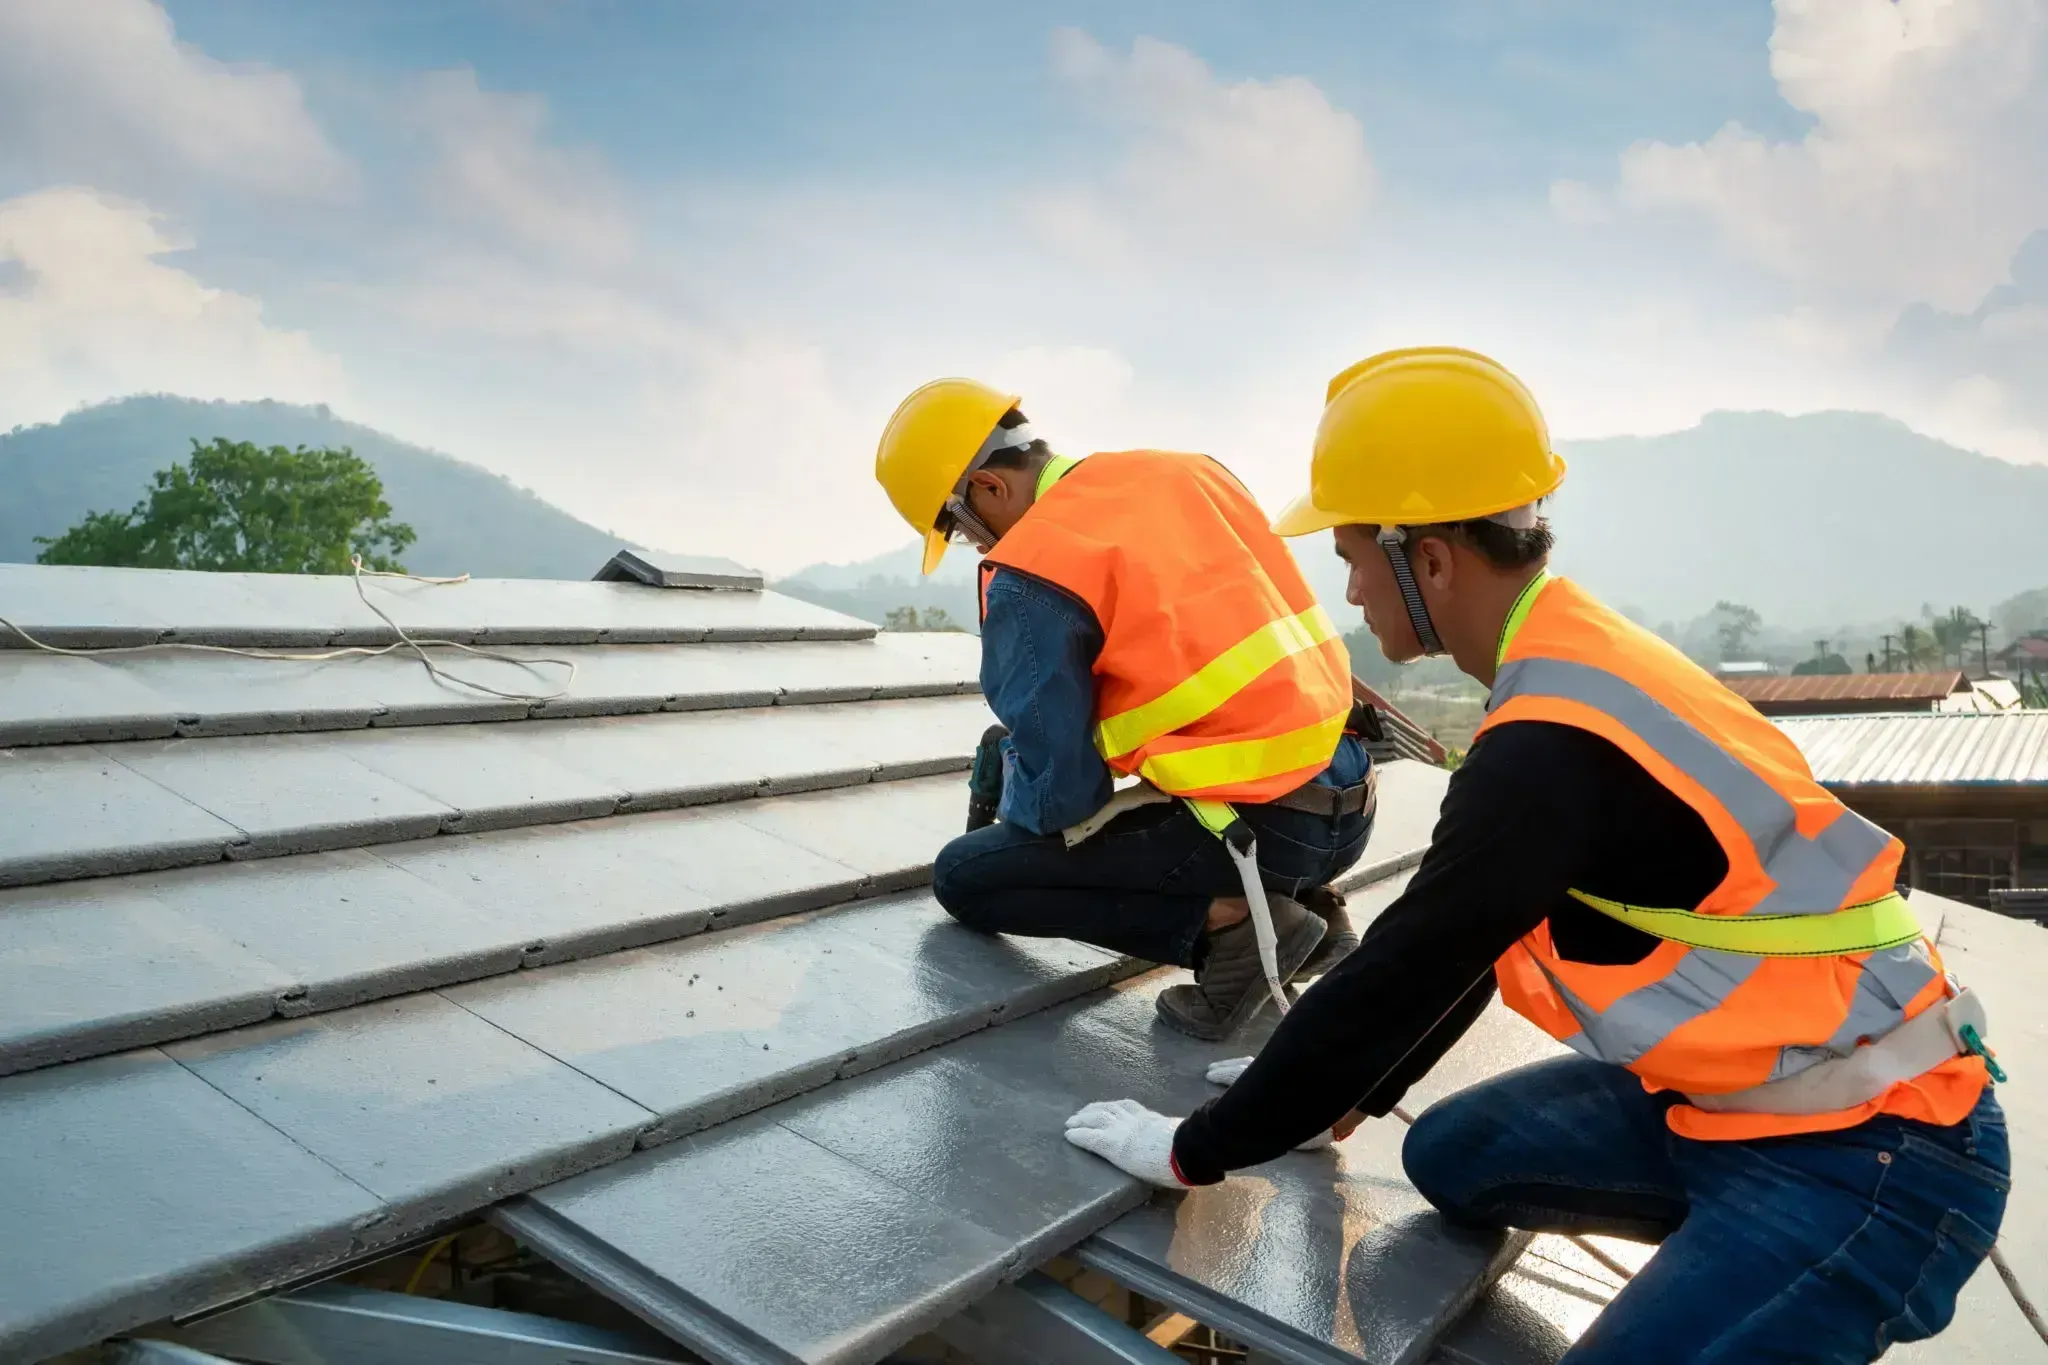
(985, 779)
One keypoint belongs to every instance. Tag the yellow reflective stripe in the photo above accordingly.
(1240, 761)
(1215, 683)
(1885, 922)
(1518, 614)
(1055, 469)
(1216, 816)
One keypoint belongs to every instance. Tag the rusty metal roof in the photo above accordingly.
(1989, 749)
(1849, 687)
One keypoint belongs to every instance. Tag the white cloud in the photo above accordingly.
(95, 314)
(1252, 164)
(1922, 173)
(494, 171)
(103, 90)
(1073, 394)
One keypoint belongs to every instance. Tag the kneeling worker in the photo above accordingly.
(1774, 1077)
(1139, 617)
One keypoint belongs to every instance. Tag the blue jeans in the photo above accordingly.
(1825, 1247)
(1142, 885)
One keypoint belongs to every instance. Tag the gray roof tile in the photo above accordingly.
(345, 926)
(148, 1192)
(90, 811)
(354, 926)
(286, 793)
(767, 1247)
(989, 1153)
(420, 1102)
(227, 694)
(52, 700)
(484, 775)
(684, 1028)
(71, 606)
(46, 699)
(75, 812)
(888, 837)
(93, 967)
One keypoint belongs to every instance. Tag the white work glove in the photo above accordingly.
(1226, 1072)
(1130, 1137)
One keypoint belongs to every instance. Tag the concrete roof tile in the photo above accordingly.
(420, 1102)
(152, 1193)
(75, 812)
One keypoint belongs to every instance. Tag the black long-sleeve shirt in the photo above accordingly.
(1536, 808)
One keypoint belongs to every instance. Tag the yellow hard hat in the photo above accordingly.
(1424, 436)
(929, 443)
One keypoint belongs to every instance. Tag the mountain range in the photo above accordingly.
(469, 520)
(1820, 522)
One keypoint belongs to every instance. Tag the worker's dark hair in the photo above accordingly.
(1017, 457)
(1503, 547)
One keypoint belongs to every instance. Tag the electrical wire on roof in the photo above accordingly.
(405, 641)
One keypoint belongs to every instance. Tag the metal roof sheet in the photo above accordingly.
(2004, 748)
(1926, 687)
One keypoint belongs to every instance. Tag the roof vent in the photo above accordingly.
(678, 571)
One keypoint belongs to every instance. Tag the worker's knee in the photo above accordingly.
(953, 886)
(1438, 1156)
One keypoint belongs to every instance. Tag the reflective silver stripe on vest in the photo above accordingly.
(1701, 980)
(1696, 985)
(1888, 983)
(1812, 876)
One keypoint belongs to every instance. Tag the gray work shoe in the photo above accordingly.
(1227, 991)
(1326, 903)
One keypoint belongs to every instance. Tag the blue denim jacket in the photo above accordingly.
(1038, 648)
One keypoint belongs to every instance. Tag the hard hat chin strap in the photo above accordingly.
(962, 520)
(1394, 542)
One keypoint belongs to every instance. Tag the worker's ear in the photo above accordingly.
(989, 482)
(1433, 562)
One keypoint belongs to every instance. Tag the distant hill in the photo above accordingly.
(1825, 518)
(872, 588)
(1822, 521)
(469, 520)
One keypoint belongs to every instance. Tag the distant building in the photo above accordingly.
(1744, 668)
(1967, 793)
(1830, 694)
(2028, 654)
(1986, 694)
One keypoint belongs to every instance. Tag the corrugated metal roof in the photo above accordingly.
(1995, 749)
(1923, 687)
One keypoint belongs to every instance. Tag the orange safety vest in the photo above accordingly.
(1219, 677)
(1701, 1020)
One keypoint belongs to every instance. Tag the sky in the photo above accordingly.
(672, 263)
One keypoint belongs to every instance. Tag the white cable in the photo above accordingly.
(404, 641)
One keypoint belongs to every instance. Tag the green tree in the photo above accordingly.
(235, 508)
(1956, 635)
(1824, 661)
(906, 618)
(1735, 626)
(1917, 648)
